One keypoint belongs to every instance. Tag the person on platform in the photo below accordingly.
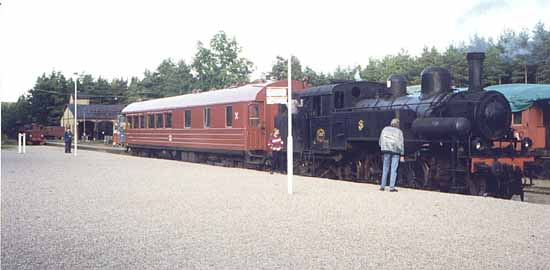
(393, 150)
(68, 138)
(275, 144)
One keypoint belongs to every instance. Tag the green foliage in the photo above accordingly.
(15, 115)
(280, 69)
(220, 65)
(514, 58)
(48, 98)
(314, 78)
(541, 53)
(169, 79)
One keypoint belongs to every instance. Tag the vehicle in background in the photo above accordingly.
(53, 132)
(33, 133)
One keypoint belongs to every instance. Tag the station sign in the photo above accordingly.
(276, 95)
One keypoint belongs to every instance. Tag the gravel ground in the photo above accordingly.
(104, 211)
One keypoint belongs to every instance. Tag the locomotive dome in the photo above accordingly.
(247, 92)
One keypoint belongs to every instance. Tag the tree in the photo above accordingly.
(493, 65)
(541, 53)
(314, 78)
(344, 73)
(220, 65)
(15, 115)
(280, 69)
(48, 98)
(454, 60)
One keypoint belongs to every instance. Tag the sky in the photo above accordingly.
(121, 39)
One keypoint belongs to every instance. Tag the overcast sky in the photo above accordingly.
(123, 38)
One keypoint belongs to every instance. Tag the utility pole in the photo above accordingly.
(289, 150)
(75, 115)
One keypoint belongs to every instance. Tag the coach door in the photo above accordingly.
(256, 134)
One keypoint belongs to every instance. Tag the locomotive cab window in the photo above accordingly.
(355, 94)
(160, 123)
(253, 115)
(187, 123)
(338, 99)
(325, 105)
(151, 120)
(206, 117)
(168, 120)
(229, 116)
(316, 106)
(517, 118)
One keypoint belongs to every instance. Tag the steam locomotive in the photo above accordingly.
(336, 129)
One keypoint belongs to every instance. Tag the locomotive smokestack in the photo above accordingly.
(475, 66)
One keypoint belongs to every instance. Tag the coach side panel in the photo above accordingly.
(215, 127)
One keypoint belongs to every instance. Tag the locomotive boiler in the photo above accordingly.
(337, 127)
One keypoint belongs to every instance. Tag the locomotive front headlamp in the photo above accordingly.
(478, 145)
(526, 143)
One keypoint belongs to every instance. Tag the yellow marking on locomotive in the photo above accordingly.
(361, 125)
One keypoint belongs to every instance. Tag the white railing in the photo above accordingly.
(22, 143)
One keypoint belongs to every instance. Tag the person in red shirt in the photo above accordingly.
(275, 144)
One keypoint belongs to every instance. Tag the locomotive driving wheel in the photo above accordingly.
(477, 184)
(372, 168)
(414, 174)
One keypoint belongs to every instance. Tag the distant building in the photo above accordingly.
(82, 99)
(95, 121)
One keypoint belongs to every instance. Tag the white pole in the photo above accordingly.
(289, 150)
(24, 142)
(75, 136)
(19, 140)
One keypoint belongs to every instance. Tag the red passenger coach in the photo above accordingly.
(226, 126)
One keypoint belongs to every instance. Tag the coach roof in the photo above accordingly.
(247, 92)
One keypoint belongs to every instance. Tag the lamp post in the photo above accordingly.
(75, 114)
(289, 150)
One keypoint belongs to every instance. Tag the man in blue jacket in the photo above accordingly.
(68, 138)
(392, 146)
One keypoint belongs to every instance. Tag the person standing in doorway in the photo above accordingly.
(275, 144)
(68, 138)
(393, 150)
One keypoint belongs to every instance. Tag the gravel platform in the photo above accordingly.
(104, 211)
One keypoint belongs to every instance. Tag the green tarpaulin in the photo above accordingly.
(521, 96)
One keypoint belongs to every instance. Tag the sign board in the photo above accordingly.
(276, 95)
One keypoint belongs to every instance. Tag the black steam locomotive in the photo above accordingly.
(336, 129)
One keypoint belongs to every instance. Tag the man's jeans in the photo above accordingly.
(394, 158)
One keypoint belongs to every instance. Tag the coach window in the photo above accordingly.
(136, 121)
(253, 115)
(229, 116)
(130, 120)
(187, 119)
(160, 123)
(517, 118)
(168, 120)
(151, 120)
(142, 121)
(206, 117)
